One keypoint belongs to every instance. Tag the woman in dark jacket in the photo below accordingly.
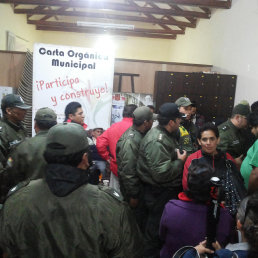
(223, 164)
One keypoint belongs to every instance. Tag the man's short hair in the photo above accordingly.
(71, 108)
(128, 110)
(208, 127)
(198, 181)
(45, 118)
(45, 125)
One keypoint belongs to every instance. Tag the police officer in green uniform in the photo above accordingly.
(27, 160)
(64, 216)
(127, 151)
(232, 133)
(160, 167)
(187, 129)
(12, 130)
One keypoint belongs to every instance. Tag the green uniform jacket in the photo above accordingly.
(158, 164)
(27, 160)
(127, 150)
(10, 135)
(232, 139)
(90, 222)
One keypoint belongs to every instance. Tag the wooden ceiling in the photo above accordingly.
(151, 18)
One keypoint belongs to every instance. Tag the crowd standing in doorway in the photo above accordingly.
(164, 181)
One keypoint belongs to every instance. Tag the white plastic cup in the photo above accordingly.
(106, 182)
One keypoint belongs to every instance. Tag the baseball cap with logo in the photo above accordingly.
(66, 139)
(13, 100)
(143, 113)
(183, 102)
(45, 114)
(169, 110)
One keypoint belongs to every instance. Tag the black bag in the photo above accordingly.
(233, 186)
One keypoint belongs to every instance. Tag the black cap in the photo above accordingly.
(169, 110)
(12, 100)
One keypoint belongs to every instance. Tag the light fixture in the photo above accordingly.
(105, 25)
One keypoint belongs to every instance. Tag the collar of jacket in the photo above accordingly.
(16, 127)
(231, 125)
(163, 129)
(42, 132)
(219, 155)
(64, 179)
(135, 129)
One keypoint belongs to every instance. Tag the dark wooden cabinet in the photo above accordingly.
(214, 93)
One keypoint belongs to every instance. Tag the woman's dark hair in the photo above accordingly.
(250, 226)
(254, 107)
(198, 181)
(71, 159)
(71, 108)
(253, 119)
(208, 127)
(128, 110)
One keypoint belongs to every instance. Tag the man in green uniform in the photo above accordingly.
(187, 129)
(127, 151)
(160, 167)
(27, 160)
(12, 130)
(64, 216)
(232, 133)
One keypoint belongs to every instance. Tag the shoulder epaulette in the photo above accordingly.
(17, 187)
(111, 192)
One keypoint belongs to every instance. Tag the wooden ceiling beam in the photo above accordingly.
(104, 5)
(74, 26)
(80, 4)
(112, 32)
(202, 3)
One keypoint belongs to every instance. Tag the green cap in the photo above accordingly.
(65, 139)
(241, 109)
(183, 102)
(12, 100)
(46, 114)
(142, 114)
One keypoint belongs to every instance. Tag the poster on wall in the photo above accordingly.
(119, 100)
(62, 74)
(4, 90)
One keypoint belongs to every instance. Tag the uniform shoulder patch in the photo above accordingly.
(111, 192)
(224, 128)
(18, 187)
(131, 135)
(160, 137)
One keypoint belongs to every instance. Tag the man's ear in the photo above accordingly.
(84, 164)
(218, 140)
(199, 141)
(8, 111)
(70, 116)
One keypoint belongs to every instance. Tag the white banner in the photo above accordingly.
(62, 74)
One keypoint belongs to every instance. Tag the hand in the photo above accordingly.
(201, 248)
(239, 160)
(216, 245)
(181, 156)
(133, 202)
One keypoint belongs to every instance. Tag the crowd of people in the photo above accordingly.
(164, 180)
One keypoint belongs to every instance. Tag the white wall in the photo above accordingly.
(228, 41)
